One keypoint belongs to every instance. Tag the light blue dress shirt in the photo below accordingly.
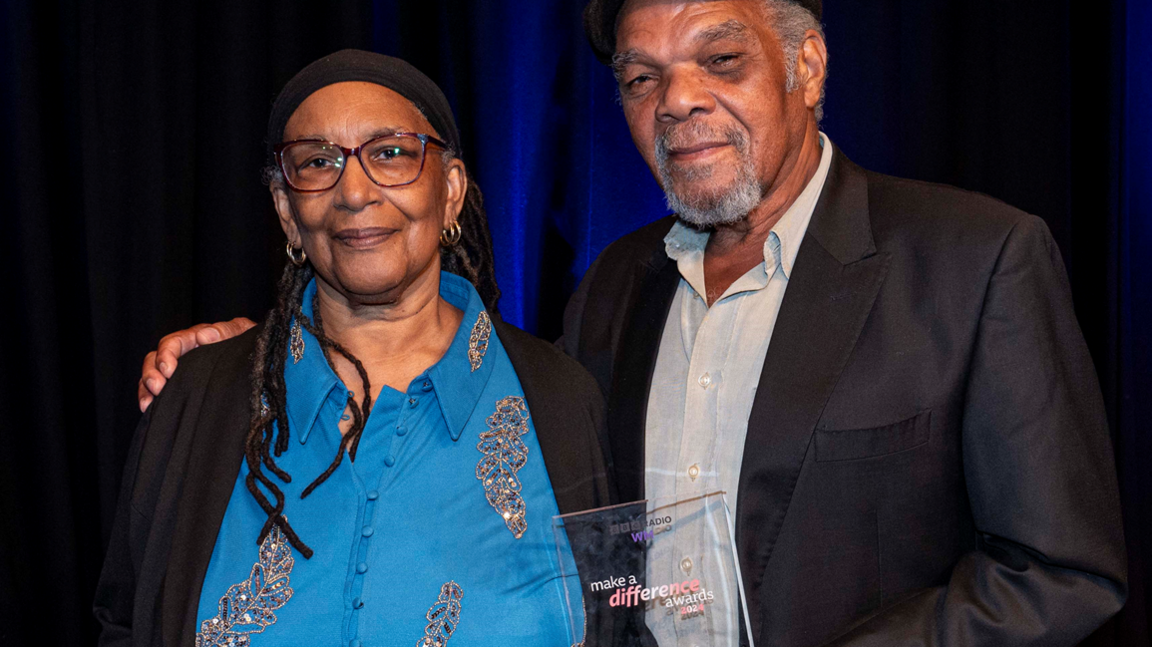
(710, 359)
(704, 385)
(407, 544)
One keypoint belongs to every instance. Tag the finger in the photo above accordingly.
(223, 330)
(241, 324)
(143, 396)
(154, 382)
(152, 379)
(173, 347)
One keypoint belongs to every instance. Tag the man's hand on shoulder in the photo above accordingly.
(161, 363)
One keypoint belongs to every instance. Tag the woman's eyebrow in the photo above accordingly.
(379, 132)
(387, 130)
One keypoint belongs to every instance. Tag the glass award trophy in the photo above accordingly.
(654, 573)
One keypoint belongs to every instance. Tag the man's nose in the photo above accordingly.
(685, 95)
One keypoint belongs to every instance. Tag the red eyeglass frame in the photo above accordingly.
(424, 139)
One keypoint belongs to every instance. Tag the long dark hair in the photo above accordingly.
(268, 429)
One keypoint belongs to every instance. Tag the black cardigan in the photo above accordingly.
(187, 452)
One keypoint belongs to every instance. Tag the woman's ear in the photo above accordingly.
(456, 179)
(284, 211)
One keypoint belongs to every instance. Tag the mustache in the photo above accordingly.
(690, 133)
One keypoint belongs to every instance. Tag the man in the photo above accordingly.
(887, 374)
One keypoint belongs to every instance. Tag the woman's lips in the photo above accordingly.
(363, 238)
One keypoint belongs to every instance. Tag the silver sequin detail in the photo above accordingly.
(504, 454)
(443, 617)
(247, 608)
(296, 342)
(478, 340)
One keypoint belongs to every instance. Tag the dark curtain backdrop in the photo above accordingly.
(132, 203)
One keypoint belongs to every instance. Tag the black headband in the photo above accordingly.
(358, 65)
(600, 24)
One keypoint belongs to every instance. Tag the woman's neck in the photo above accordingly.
(395, 342)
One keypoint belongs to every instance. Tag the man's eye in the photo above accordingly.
(724, 60)
(638, 81)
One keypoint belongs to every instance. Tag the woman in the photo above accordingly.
(379, 462)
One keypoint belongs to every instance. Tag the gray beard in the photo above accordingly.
(707, 209)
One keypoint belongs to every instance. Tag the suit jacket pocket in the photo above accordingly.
(854, 444)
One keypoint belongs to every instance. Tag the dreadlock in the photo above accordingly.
(268, 429)
(472, 257)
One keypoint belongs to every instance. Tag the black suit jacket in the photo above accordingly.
(187, 453)
(928, 460)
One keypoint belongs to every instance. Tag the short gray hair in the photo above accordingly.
(792, 21)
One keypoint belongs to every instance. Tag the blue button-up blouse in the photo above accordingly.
(417, 539)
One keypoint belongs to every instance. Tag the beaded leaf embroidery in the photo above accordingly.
(296, 342)
(478, 340)
(443, 617)
(504, 454)
(247, 608)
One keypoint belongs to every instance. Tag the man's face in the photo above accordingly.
(703, 84)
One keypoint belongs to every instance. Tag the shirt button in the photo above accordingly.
(362, 567)
(705, 380)
(367, 531)
(686, 564)
(373, 495)
(389, 460)
(693, 472)
(357, 603)
(427, 385)
(401, 430)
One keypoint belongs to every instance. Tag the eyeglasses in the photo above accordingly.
(311, 165)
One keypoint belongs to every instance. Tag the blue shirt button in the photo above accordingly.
(367, 531)
(389, 460)
(401, 430)
(362, 568)
(412, 402)
(427, 385)
(373, 495)
(357, 603)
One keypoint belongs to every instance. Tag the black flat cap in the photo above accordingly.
(600, 24)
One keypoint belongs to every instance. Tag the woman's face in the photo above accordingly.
(367, 242)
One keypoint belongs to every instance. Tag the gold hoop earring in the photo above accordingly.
(296, 260)
(451, 235)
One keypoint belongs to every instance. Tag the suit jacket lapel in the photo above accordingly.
(635, 361)
(834, 282)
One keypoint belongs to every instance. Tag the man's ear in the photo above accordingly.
(284, 212)
(813, 65)
(456, 180)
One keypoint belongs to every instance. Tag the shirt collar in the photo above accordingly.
(683, 243)
(311, 381)
(458, 387)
